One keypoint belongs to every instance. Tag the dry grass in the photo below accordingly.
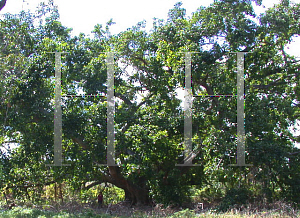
(123, 209)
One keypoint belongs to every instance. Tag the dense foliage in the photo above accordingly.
(149, 120)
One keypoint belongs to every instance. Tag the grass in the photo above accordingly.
(74, 209)
(22, 212)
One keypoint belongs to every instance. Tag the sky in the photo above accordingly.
(82, 16)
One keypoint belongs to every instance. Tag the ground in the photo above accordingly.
(124, 209)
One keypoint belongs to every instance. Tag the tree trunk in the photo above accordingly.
(5, 196)
(61, 193)
(134, 193)
(55, 193)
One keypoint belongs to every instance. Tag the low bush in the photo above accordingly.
(235, 197)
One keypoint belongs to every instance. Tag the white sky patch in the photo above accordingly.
(83, 16)
(293, 47)
(295, 130)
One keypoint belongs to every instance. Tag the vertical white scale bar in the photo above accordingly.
(188, 98)
(240, 111)
(188, 110)
(57, 114)
(110, 110)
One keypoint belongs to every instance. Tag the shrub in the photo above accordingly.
(235, 196)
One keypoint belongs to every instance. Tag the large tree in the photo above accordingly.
(149, 128)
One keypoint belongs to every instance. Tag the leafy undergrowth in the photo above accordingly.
(123, 210)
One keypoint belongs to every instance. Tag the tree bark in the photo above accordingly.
(55, 193)
(2, 4)
(137, 194)
(133, 192)
(61, 193)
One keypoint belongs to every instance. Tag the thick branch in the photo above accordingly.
(92, 185)
(30, 185)
(2, 4)
(80, 142)
(280, 81)
(275, 83)
(294, 153)
(124, 98)
(210, 91)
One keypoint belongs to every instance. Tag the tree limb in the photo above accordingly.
(92, 185)
(294, 153)
(210, 91)
(30, 185)
(80, 142)
(2, 4)
(124, 98)
(275, 83)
